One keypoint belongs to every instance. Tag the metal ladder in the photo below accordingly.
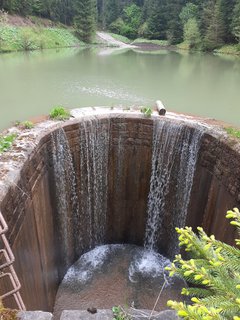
(6, 267)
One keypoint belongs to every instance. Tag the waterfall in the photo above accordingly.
(66, 195)
(94, 149)
(174, 156)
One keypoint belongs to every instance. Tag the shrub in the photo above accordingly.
(120, 314)
(26, 41)
(27, 125)
(59, 113)
(6, 142)
(213, 273)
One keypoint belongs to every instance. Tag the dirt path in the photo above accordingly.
(111, 41)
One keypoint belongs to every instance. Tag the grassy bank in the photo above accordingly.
(120, 38)
(229, 49)
(16, 38)
(140, 41)
(161, 43)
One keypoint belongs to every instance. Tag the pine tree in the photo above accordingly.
(192, 34)
(174, 26)
(216, 30)
(235, 26)
(112, 12)
(213, 272)
(157, 21)
(85, 19)
(189, 11)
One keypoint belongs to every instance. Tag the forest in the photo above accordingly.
(203, 24)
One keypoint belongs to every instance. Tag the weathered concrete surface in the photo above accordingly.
(108, 315)
(34, 315)
(28, 202)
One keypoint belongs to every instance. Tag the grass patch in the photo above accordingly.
(27, 125)
(59, 113)
(233, 132)
(120, 38)
(155, 42)
(6, 142)
(33, 38)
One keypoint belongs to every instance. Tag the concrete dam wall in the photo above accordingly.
(109, 177)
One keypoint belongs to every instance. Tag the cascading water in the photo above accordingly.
(175, 152)
(66, 194)
(94, 149)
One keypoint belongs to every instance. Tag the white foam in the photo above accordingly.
(88, 263)
(150, 264)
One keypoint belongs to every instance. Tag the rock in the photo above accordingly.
(92, 310)
(34, 315)
(85, 315)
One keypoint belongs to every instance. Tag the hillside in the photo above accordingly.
(31, 33)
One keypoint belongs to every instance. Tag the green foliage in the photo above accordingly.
(189, 11)
(147, 111)
(235, 26)
(215, 33)
(192, 34)
(119, 314)
(85, 19)
(157, 20)
(213, 273)
(233, 49)
(3, 17)
(27, 125)
(120, 38)
(110, 11)
(117, 26)
(143, 30)
(59, 113)
(157, 42)
(26, 38)
(218, 21)
(6, 142)
(132, 17)
(233, 132)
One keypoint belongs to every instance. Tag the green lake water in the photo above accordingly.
(198, 84)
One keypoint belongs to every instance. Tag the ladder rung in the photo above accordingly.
(7, 254)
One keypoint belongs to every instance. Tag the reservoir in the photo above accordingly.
(198, 84)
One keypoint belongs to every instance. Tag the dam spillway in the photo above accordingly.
(67, 187)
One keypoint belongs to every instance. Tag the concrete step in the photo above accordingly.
(34, 315)
(108, 315)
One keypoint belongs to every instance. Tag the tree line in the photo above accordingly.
(208, 24)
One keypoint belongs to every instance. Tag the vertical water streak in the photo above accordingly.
(189, 155)
(174, 156)
(66, 195)
(94, 149)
